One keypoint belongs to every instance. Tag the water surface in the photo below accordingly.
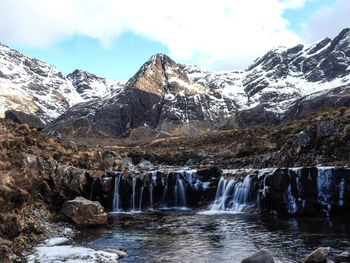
(189, 236)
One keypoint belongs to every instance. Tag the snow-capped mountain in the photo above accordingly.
(283, 74)
(90, 86)
(33, 86)
(168, 98)
(158, 99)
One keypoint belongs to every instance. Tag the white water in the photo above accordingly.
(133, 196)
(324, 181)
(140, 200)
(116, 198)
(233, 196)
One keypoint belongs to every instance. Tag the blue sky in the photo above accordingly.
(113, 40)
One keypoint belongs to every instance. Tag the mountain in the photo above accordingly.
(89, 86)
(167, 99)
(158, 99)
(33, 86)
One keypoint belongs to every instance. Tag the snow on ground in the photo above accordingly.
(53, 251)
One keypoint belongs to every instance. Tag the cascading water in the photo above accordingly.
(232, 195)
(133, 196)
(140, 199)
(180, 194)
(291, 201)
(150, 196)
(116, 197)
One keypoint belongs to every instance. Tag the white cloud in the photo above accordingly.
(328, 21)
(232, 32)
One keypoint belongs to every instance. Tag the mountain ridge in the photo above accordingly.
(168, 99)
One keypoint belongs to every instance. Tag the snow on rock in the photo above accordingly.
(33, 86)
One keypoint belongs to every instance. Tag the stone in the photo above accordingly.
(144, 165)
(84, 212)
(326, 128)
(120, 253)
(5, 252)
(261, 256)
(318, 256)
(24, 118)
(302, 139)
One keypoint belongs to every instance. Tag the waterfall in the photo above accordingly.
(232, 195)
(324, 181)
(180, 200)
(150, 196)
(291, 201)
(165, 196)
(140, 201)
(116, 197)
(133, 196)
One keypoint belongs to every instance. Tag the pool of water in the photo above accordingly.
(191, 236)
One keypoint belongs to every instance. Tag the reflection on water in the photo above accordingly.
(188, 236)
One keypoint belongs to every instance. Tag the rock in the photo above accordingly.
(84, 212)
(144, 165)
(326, 128)
(261, 256)
(24, 118)
(302, 139)
(71, 145)
(5, 252)
(120, 253)
(318, 256)
(109, 157)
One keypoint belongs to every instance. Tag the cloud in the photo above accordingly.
(230, 32)
(327, 21)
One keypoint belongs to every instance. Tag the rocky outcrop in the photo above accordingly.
(318, 256)
(84, 212)
(23, 118)
(261, 256)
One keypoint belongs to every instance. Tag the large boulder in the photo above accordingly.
(261, 256)
(24, 118)
(318, 256)
(84, 212)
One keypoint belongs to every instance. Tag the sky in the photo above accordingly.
(113, 38)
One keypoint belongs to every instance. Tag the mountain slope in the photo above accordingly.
(33, 86)
(91, 86)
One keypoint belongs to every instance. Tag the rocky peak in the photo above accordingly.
(161, 75)
(91, 86)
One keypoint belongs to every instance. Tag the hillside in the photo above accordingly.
(322, 137)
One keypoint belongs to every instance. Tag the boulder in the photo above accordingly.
(144, 165)
(120, 253)
(261, 256)
(84, 212)
(302, 139)
(326, 128)
(318, 256)
(24, 118)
